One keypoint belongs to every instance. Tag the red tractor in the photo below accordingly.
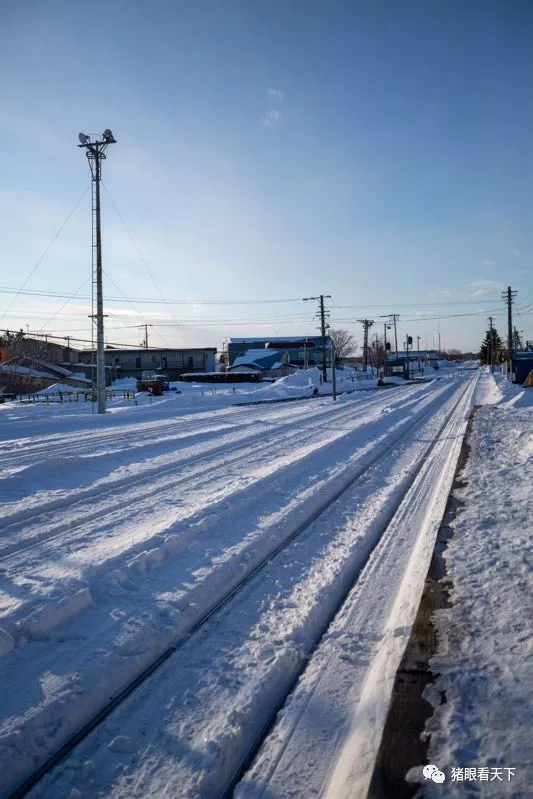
(152, 382)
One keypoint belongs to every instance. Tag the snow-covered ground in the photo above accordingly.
(120, 532)
(485, 655)
(122, 395)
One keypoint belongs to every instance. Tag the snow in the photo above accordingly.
(58, 388)
(125, 383)
(326, 740)
(12, 368)
(485, 659)
(120, 531)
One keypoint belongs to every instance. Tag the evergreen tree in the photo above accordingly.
(517, 341)
(492, 344)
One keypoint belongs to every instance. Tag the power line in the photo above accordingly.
(367, 324)
(419, 304)
(255, 320)
(89, 341)
(65, 303)
(143, 260)
(45, 252)
(59, 294)
(508, 297)
(155, 300)
(132, 304)
(393, 317)
(323, 314)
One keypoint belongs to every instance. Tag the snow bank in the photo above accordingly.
(485, 659)
(59, 388)
(126, 383)
(53, 613)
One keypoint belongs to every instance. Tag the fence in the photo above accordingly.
(63, 397)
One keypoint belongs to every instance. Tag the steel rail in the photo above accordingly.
(224, 600)
(253, 749)
(11, 551)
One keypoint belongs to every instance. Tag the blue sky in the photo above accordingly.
(380, 152)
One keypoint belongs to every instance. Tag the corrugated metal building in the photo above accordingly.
(173, 362)
(296, 350)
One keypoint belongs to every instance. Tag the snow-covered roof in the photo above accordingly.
(260, 359)
(54, 366)
(13, 368)
(266, 339)
(246, 368)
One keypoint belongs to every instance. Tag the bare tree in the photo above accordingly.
(20, 358)
(344, 343)
(453, 353)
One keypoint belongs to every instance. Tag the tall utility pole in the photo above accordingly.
(333, 371)
(95, 152)
(145, 342)
(385, 328)
(367, 324)
(508, 297)
(393, 317)
(323, 315)
(491, 346)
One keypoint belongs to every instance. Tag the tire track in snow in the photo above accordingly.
(376, 455)
(211, 766)
(18, 452)
(158, 475)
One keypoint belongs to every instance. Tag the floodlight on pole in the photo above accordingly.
(95, 148)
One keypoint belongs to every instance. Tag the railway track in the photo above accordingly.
(19, 452)
(157, 477)
(232, 594)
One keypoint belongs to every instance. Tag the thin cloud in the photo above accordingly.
(271, 119)
(489, 263)
(480, 288)
(522, 255)
(275, 94)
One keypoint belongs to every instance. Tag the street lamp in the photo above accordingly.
(95, 151)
